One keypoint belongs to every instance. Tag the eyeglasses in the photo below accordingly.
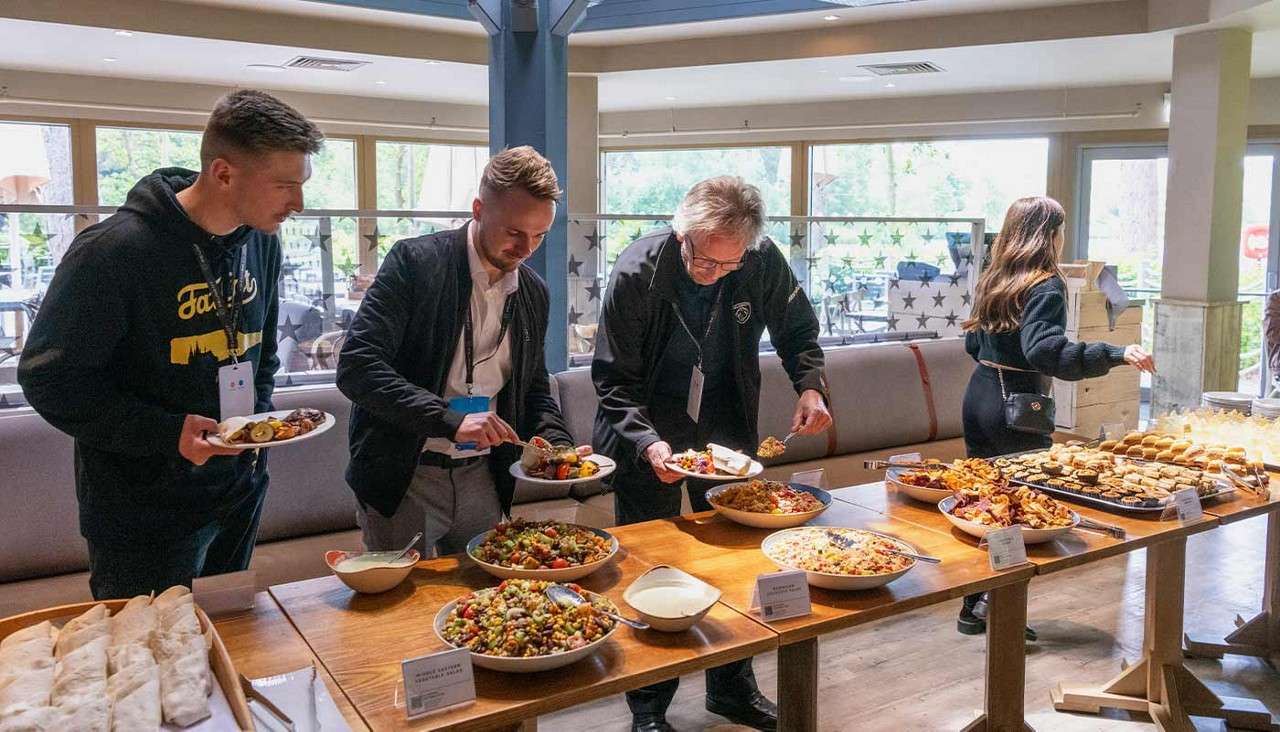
(708, 263)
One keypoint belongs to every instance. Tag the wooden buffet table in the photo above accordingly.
(360, 640)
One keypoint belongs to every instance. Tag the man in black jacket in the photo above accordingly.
(159, 321)
(677, 363)
(444, 366)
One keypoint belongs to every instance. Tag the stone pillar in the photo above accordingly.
(1197, 327)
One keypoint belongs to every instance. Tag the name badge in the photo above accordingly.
(782, 595)
(475, 404)
(236, 392)
(437, 681)
(696, 380)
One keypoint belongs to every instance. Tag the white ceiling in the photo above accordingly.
(1051, 64)
(318, 9)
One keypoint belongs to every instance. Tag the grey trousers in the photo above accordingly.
(448, 505)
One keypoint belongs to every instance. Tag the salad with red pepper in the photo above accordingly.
(522, 544)
(516, 619)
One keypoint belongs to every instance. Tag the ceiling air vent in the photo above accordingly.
(910, 67)
(325, 64)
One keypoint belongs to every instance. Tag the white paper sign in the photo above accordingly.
(223, 594)
(910, 457)
(815, 478)
(1006, 548)
(782, 595)
(437, 681)
(1187, 501)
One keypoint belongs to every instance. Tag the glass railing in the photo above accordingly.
(870, 279)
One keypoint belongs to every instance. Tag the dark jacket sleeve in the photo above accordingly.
(972, 344)
(1045, 344)
(366, 371)
(792, 323)
(618, 368)
(69, 364)
(264, 380)
(543, 415)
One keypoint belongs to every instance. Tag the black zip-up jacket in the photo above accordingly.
(637, 319)
(1040, 343)
(127, 343)
(395, 364)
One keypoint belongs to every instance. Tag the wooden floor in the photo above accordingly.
(915, 672)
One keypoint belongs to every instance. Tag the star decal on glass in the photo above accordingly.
(374, 239)
(319, 241)
(894, 283)
(938, 299)
(797, 240)
(940, 260)
(287, 329)
(865, 238)
(593, 240)
(955, 279)
(909, 302)
(832, 238)
(926, 280)
(892, 324)
(37, 237)
(922, 321)
(896, 237)
(966, 299)
(574, 315)
(880, 261)
(575, 266)
(928, 235)
(911, 256)
(967, 258)
(951, 319)
(593, 291)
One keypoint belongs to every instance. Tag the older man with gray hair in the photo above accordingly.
(677, 364)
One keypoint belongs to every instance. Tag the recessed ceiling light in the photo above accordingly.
(831, 17)
(265, 68)
(110, 59)
(380, 82)
(890, 85)
(670, 99)
(432, 63)
(855, 78)
(124, 33)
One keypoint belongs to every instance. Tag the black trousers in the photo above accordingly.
(638, 496)
(985, 432)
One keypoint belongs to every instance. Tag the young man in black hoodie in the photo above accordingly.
(154, 321)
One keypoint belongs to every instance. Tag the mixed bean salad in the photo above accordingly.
(516, 619)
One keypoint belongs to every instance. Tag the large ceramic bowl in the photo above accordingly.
(920, 493)
(831, 581)
(670, 600)
(567, 574)
(1029, 535)
(372, 580)
(529, 664)
(769, 520)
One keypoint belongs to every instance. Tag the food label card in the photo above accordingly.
(782, 595)
(1006, 548)
(815, 478)
(910, 457)
(1187, 502)
(223, 594)
(438, 680)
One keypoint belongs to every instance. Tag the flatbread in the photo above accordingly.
(81, 674)
(135, 699)
(136, 622)
(43, 631)
(89, 714)
(26, 691)
(170, 596)
(185, 687)
(129, 654)
(180, 617)
(231, 426)
(39, 719)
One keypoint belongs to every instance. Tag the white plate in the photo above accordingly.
(1029, 536)
(755, 469)
(830, 581)
(920, 493)
(566, 574)
(769, 520)
(607, 466)
(278, 414)
(530, 664)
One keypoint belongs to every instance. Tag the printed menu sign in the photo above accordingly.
(438, 680)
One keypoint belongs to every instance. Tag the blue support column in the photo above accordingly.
(528, 105)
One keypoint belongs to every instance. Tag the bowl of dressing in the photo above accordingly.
(670, 600)
(371, 572)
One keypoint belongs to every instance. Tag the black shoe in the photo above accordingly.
(970, 624)
(756, 711)
(650, 723)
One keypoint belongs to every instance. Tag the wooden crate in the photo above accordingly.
(1088, 309)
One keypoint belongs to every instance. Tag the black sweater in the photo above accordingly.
(1040, 342)
(127, 344)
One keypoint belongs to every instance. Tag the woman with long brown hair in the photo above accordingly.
(1017, 334)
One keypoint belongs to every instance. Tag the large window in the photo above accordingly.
(423, 177)
(127, 154)
(971, 178)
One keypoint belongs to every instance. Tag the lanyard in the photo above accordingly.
(711, 321)
(228, 308)
(469, 348)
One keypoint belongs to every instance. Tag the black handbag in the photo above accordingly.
(1025, 412)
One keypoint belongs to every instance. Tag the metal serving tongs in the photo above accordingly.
(1242, 484)
(250, 691)
(845, 542)
(885, 464)
(1089, 524)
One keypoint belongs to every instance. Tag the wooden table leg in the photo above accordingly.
(1159, 684)
(1003, 708)
(1260, 636)
(798, 686)
(528, 725)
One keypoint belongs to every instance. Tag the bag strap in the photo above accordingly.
(1000, 375)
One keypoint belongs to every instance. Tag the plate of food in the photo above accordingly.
(768, 504)
(544, 550)
(516, 628)
(717, 462)
(939, 480)
(838, 558)
(272, 429)
(545, 464)
(993, 506)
